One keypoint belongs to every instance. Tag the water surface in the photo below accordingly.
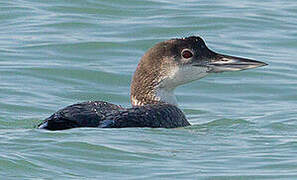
(56, 53)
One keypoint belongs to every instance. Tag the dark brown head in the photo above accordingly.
(175, 62)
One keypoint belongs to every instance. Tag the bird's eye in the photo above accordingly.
(187, 54)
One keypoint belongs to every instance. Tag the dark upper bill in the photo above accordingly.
(222, 63)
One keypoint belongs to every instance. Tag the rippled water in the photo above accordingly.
(56, 53)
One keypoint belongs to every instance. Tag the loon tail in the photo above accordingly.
(43, 125)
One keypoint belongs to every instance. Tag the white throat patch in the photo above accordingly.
(165, 95)
(175, 76)
(178, 76)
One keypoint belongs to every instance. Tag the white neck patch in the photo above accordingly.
(165, 95)
(176, 77)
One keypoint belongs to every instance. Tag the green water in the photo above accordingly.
(56, 53)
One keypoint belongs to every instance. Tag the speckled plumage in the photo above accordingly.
(106, 115)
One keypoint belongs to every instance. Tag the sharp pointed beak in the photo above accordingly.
(222, 63)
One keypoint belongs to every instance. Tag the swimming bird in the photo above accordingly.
(163, 67)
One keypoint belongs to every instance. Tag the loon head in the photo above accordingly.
(175, 62)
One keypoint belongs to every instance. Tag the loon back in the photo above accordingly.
(106, 115)
(162, 68)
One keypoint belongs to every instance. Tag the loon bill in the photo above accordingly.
(162, 68)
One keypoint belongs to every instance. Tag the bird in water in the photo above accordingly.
(163, 67)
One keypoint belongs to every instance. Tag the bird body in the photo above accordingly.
(163, 67)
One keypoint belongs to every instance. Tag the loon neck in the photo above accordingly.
(147, 88)
(156, 96)
(166, 96)
(147, 84)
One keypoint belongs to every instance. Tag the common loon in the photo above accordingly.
(162, 68)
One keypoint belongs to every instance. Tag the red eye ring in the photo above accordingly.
(187, 54)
